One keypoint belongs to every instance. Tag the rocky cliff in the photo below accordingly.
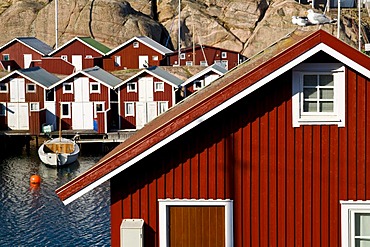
(247, 26)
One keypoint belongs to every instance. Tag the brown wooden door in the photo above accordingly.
(197, 226)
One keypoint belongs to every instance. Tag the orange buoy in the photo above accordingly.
(35, 179)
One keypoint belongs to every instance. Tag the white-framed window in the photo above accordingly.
(129, 109)
(159, 86)
(189, 63)
(66, 109)
(318, 94)
(135, 44)
(98, 108)
(117, 61)
(67, 87)
(2, 109)
(182, 55)
(162, 107)
(131, 87)
(6, 57)
(203, 63)
(30, 88)
(224, 54)
(3, 87)
(164, 211)
(94, 87)
(155, 58)
(34, 106)
(198, 84)
(355, 222)
(64, 57)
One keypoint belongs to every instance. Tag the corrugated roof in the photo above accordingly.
(39, 75)
(154, 44)
(214, 67)
(103, 76)
(35, 44)
(97, 45)
(165, 75)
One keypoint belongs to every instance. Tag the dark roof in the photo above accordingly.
(103, 76)
(33, 43)
(37, 75)
(234, 85)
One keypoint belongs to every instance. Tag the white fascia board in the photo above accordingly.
(61, 47)
(219, 108)
(201, 73)
(129, 79)
(17, 40)
(120, 46)
(24, 76)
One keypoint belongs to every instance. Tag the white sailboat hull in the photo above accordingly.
(51, 158)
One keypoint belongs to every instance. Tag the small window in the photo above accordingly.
(155, 58)
(159, 86)
(131, 87)
(136, 44)
(117, 61)
(99, 107)
(31, 88)
(3, 88)
(182, 55)
(224, 54)
(67, 87)
(94, 87)
(129, 109)
(34, 106)
(2, 109)
(6, 57)
(88, 56)
(189, 63)
(64, 57)
(198, 84)
(203, 63)
(162, 107)
(66, 112)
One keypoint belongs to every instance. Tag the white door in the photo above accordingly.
(27, 59)
(81, 87)
(210, 78)
(17, 90)
(82, 116)
(152, 111)
(146, 89)
(143, 62)
(18, 118)
(77, 62)
(50, 113)
(140, 114)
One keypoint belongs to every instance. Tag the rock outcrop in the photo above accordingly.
(246, 26)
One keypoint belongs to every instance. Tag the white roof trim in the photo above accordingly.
(23, 75)
(16, 39)
(219, 108)
(70, 41)
(201, 73)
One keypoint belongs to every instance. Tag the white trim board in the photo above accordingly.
(219, 108)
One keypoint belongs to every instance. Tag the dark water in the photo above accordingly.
(36, 216)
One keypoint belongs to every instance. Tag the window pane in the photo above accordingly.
(99, 107)
(326, 93)
(310, 93)
(326, 80)
(326, 106)
(310, 107)
(309, 80)
(362, 243)
(362, 224)
(65, 109)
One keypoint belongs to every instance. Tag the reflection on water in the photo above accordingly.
(35, 216)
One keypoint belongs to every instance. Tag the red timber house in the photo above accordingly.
(145, 95)
(22, 52)
(86, 100)
(136, 53)
(274, 153)
(77, 54)
(26, 100)
(202, 79)
(205, 55)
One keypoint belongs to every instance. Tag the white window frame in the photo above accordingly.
(338, 116)
(189, 63)
(159, 86)
(69, 110)
(223, 54)
(2, 106)
(159, 106)
(203, 63)
(129, 90)
(155, 58)
(6, 56)
(195, 88)
(31, 91)
(94, 84)
(136, 44)
(348, 209)
(64, 89)
(88, 56)
(6, 87)
(133, 109)
(34, 106)
(64, 57)
(164, 205)
(96, 110)
(117, 61)
(182, 56)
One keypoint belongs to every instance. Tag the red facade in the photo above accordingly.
(55, 65)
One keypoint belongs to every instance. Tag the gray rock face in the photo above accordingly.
(246, 26)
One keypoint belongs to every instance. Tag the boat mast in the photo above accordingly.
(60, 122)
(56, 24)
(179, 34)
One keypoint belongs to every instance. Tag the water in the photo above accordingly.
(36, 216)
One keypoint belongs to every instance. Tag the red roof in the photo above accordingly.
(210, 100)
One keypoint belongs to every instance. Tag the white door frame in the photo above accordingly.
(81, 89)
(77, 62)
(18, 116)
(143, 61)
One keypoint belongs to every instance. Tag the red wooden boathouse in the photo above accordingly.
(274, 153)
